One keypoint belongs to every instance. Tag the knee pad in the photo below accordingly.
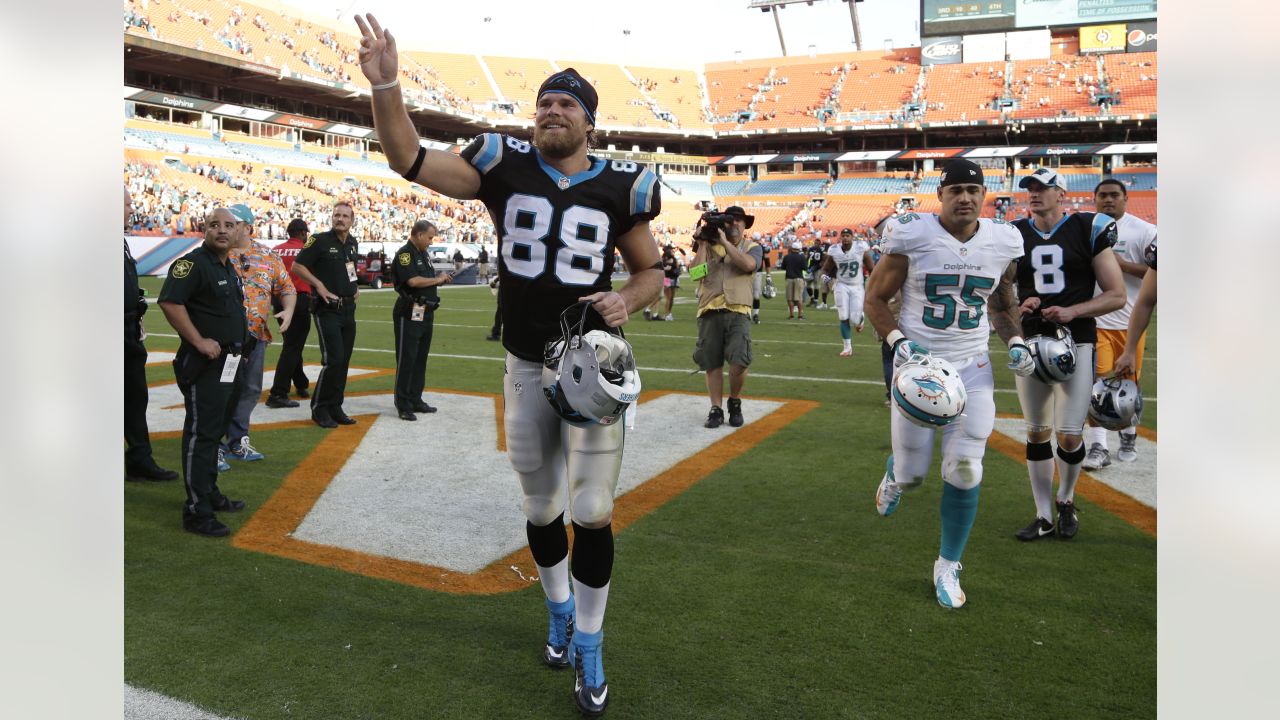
(1039, 451)
(592, 505)
(1072, 457)
(542, 508)
(964, 473)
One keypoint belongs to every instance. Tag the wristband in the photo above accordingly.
(412, 174)
(385, 86)
(1017, 340)
(894, 336)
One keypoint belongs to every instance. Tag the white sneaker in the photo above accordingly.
(1128, 448)
(1097, 458)
(669, 317)
(846, 352)
(946, 583)
(822, 306)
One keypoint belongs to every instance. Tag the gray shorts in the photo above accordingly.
(723, 336)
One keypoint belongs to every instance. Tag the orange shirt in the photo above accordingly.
(263, 275)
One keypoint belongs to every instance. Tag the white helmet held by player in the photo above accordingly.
(1116, 403)
(928, 391)
(589, 377)
(1054, 354)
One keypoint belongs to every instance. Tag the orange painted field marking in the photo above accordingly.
(1099, 493)
(270, 529)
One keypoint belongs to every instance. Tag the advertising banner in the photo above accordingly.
(1102, 38)
(941, 51)
(1027, 44)
(1141, 37)
(984, 48)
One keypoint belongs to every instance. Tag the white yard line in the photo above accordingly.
(678, 371)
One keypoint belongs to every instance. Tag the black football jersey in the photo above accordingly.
(556, 233)
(1057, 267)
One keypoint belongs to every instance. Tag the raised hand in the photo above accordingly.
(378, 58)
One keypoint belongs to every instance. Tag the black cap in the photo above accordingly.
(574, 85)
(960, 171)
(736, 211)
(297, 228)
(846, 231)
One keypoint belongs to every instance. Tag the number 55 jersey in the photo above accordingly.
(944, 297)
(556, 233)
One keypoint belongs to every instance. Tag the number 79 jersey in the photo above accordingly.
(556, 233)
(944, 297)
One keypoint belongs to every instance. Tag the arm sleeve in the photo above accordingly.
(307, 255)
(645, 198)
(484, 152)
(1102, 234)
(403, 267)
(178, 285)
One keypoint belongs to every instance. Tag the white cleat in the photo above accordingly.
(846, 352)
(887, 496)
(1097, 458)
(946, 583)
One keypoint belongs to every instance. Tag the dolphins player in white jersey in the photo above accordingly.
(950, 267)
(844, 263)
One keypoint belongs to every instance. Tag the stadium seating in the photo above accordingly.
(873, 86)
(727, 188)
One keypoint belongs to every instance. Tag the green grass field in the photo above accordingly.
(770, 589)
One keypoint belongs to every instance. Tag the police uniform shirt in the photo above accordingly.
(556, 234)
(326, 257)
(409, 264)
(1057, 267)
(211, 292)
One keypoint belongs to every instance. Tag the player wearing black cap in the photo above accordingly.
(560, 214)
(1066, 256)
(955, 272)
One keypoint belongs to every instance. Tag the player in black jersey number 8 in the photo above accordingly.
(559, 214)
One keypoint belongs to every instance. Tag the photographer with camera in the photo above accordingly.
(413, 318)
(725, 261)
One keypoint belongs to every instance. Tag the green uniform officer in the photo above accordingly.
(202, 299)
(328, 262)
(413, 317)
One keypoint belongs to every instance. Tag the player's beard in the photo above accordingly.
(557, 145)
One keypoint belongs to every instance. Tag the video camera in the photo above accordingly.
(711, 222)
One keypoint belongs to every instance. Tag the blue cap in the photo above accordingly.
(242, 213)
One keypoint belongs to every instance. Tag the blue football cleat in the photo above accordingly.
(556, 652)
(589, 687)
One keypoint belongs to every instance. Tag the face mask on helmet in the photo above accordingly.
(589, 377)
(1116, 403)
(928, 391)
(1054, 354)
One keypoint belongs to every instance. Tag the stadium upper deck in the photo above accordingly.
(826, 92)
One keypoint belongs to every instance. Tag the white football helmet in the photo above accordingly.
(1116, 403)
(589, 377)
(1054, 354)
(928, 391)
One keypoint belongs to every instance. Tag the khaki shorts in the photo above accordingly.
(723, 336)
(795, 290)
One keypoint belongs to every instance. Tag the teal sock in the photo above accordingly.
(958, 510)
(846, 331)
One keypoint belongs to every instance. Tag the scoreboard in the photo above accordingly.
(952, 17)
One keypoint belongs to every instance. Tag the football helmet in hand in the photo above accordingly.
(589, 377)
(928, 391)
(1116, 403)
